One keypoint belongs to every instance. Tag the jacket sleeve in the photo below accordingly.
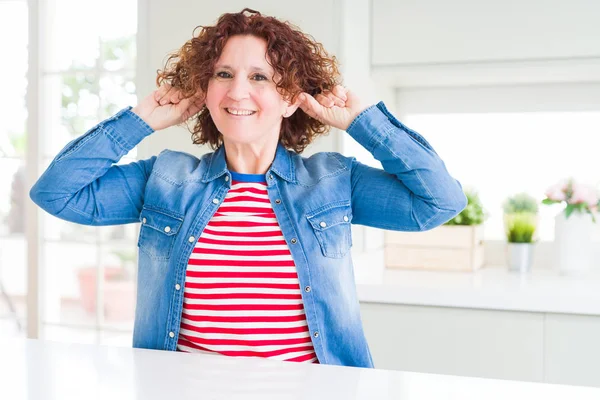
(414, 191)
(83, 184)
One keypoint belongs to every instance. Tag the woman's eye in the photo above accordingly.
(259, 77)
(223, 74)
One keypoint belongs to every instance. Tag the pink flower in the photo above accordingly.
(583, 194)
(558, 191)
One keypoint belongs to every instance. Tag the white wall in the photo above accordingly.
(546, 97)
(437, 31)
(432, 43)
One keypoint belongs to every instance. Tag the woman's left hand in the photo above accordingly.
(336, 108)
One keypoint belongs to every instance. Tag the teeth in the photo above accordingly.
(239, 112)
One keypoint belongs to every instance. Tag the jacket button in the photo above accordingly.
(191, 239)
(177, 286)
(278, 201)
(316, 334)
(167, 229)
(226, 179)
(323, 224)
(216, 201)
(307, 289)
(293, 241)
(171, 334)
(345, 218)
(143, 220)
(271, 176)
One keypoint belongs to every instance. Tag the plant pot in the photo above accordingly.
(573, 239)
(119, 294)
(519, 256)
(445, 248)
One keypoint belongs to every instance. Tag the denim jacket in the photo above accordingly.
(315, 200)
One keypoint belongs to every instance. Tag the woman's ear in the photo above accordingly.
(291, 108)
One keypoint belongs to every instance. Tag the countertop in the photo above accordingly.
(492, 288)
(32, 369)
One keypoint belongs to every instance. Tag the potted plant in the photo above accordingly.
(456, 245)
(520, 202)
(473, 214)
(520, 224)
(119, 287)
(578, 199)
(573, 224)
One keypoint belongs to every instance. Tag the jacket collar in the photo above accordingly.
(283, 165)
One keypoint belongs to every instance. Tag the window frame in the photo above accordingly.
(36, 159)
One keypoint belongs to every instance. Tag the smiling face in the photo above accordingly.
(242, 97)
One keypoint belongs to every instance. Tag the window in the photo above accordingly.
(13, 284)
(87, 74)
(500, 140)
(500, 154)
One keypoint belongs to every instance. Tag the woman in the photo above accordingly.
(246, 252)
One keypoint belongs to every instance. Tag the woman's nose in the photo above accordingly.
(239, 89)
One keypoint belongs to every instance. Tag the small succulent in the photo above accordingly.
(520, 202)
(520, 227)
(473, 214)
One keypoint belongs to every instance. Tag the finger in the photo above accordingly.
(166, 99)
(161, 92)
(311, 106)
(340, 92)
(336, 100)
(354, 101)
(175, 96)
(183, 108)
(324, 100)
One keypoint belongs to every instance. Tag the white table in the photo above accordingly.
(33, 370)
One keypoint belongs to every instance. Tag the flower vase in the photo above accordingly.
(573, 239)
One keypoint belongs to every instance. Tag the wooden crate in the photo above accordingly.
(445, 248)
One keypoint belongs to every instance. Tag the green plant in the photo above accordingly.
(520, 202)
(473, 214)
(520, 227)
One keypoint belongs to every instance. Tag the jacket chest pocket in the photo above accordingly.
(158, 233)
(331, 225)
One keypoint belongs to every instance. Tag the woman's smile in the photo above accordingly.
(239, 112)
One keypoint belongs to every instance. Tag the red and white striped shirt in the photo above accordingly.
(242, 296)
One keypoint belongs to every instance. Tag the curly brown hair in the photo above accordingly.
(301, 65)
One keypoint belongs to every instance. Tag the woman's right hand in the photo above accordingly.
(164, 108)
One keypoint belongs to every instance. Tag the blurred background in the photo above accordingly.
(507, 92)
(68, 66)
